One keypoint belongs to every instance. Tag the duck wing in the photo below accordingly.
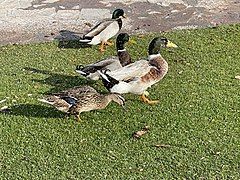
(110, 63)
(61, 103)
(99, 27)
(131, 71)
(106, 64)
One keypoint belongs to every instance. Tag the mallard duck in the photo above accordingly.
(123, 58)
(81, 99)
(104, 30)
(137, 77)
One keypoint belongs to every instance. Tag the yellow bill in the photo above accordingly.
(131, 41)
(171, 45)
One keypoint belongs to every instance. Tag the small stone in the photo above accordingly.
(4, 109)
(62, 7)
(2, 100)
(88, 24)
(237, 77)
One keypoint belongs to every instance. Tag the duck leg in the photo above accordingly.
(148, 101)
(78, 117)
(101, 48)
(109, 43)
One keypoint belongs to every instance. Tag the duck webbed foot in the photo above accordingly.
(101, 48)
(148, 101)
(103, 44)
(109, 43)
(77, 116)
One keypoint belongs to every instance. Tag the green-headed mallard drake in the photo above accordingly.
(123, 58)
(137, 77)
(81, 99)
(104, 30)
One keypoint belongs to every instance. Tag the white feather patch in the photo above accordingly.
(85, 40)
(81, 72)
(103, 75)
(121, 50)
(121, 88)
(153, 56)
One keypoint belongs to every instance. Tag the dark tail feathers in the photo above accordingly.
(86, 70)
(108, 81)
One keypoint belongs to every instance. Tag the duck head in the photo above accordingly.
(118, 13)
(118, 99)
(159, 42)
(122, 38)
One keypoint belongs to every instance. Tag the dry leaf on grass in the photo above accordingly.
(140, 133)
(4, 109)
(162, 146)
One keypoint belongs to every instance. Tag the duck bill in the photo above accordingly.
(131, 41)
(124, 16)
(171, 45)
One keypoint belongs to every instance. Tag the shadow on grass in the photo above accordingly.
(34, 110)
(59, 81)
(70, 39)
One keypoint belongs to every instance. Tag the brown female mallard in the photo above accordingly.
(81, 99)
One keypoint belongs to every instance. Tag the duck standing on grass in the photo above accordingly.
(137, 77)
(123, 58)
(81, 99)
(104, 30)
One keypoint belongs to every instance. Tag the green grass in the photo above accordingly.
(198, 114)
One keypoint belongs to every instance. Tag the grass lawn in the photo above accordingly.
(197, 120)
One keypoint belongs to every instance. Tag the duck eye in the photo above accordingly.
(164, 40)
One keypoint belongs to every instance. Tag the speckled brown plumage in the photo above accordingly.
(157, 73)
(80, 99)
(89, 102)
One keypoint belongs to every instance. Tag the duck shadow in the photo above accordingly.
(70, 39)
(58, 81)
(34, 110)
